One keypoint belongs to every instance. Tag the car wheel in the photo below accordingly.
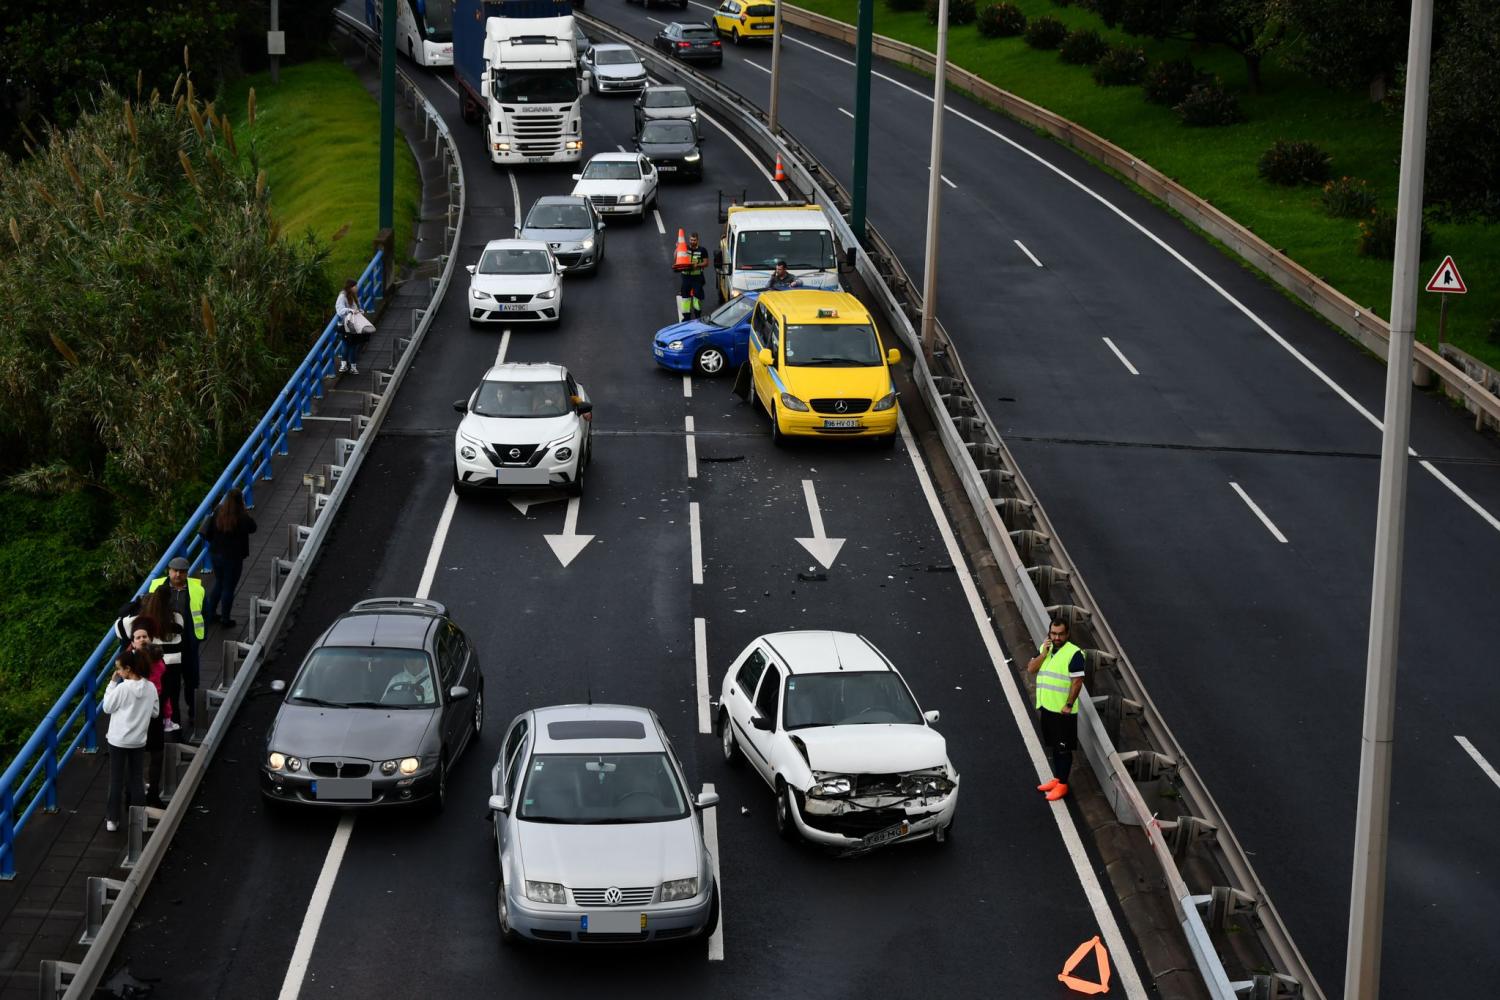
(478, 711)
(786, 827)
(440, 797)
(710, 362)
(508, 935)
(575, 488)
(777, 438)
(734, 35)
(727, 744)
(944, 834)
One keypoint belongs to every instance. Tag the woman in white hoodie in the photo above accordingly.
(131, 702)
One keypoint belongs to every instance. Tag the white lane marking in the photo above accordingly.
(449, 87)
(1027, 252)
(1259, 513)
(1192, 268)
(296, 972)
(846, 111)
(504, 346)
(752, 62)
(659, 227)
(1108, 928)
(748, 155)
(940, 176)
(711, 841)
(435, 550)
(692, 451)
(1484, 765)
(1123, 359)
(695, 535)
(700, 658)
(515, 196)
(687, 388)
(619, 147)
(655, 21)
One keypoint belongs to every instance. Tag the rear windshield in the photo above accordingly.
(667, 99)
(698, 34)
(760, 10)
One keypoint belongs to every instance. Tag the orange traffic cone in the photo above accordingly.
(780, 174)
(1083, 985)
(684, 260)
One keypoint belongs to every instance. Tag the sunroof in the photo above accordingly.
(597, 729)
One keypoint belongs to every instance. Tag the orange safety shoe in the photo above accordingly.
(1057, 792)
(1047, 786)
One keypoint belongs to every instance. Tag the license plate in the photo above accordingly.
(343, 789)
(841, 423)
(885, 836)
(536, 159)
(515, 307)
(667, 169)
(612, 922)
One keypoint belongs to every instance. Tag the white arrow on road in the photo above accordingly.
(822, 548)
(567, 545)
(524, 505)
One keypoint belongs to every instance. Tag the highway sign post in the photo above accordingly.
(775, 70)
(935, 186)
(864, 41)
(1446, 281)
(388, 114)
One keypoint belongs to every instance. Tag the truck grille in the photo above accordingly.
(537, 135)
(628, 897)
(851, 406)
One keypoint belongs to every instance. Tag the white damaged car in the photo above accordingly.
(830, 725)
(527, 426)
(618, 184)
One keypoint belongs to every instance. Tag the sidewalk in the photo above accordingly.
(42, 910)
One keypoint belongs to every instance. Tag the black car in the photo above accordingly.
(380, 709)
(691, 41)
(665, 101)
(672, 144)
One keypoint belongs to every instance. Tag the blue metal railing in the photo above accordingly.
(74, 717)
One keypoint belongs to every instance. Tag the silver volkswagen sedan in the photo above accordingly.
(598, 838)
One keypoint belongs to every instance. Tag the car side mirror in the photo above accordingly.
(584, 408)
(932, 717)
(458, 692)
(757, 720)
(499, 803)
(576, 177)
(278, 686)
(706, 799)
(893, 357)
(470, 267)
(602, 226)
(766, 357)
(461, 406)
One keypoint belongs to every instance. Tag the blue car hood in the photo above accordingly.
(684, 331)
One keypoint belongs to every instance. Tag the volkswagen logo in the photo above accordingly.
(612, 896)
(842, 406)
(514, 453)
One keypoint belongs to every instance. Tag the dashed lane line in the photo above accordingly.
(700, 658)
(1120, 354)
(752, 62)
(660, 228)
(687, 387)
(1028, 253)
(1484, 765)
(692, 451)
(695, 535)
(1270, 526)
(711, 841)
(504, 346)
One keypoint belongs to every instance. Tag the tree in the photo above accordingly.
(1248, 27)
(1346, 43)
(1463, 122)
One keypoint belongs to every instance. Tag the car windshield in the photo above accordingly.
(670, 130)
(614, 57)
(342, 677)
(602, 788)
(521, 399)
(536, 86)
(511, 261)
(667, 99)
(760, 10)
(848, 699)
(612, 170)
(834, 345)
(732, 312)
(704, 34)
(558, 217)
(802, 249)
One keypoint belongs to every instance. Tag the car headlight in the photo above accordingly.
(389, 766)
(927, 784)
(479, 294)
(277, 761)
(885, 402)
(409, 765)
(550, 293)
(563, 454)
(692, 158)
(693, 117)
(675, 345)
(793, 403)
(830, 787)
(630, 199)
(281, 762)
(587, 244)
(679, 888)
(468, 453)
(546, 892)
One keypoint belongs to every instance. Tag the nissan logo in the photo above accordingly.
(612, 896)
(841, 407)
(515, 453)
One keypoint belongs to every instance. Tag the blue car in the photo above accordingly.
(710, 346)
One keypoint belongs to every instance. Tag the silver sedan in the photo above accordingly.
(598, 838)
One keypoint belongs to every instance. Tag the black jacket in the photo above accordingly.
(231, 545)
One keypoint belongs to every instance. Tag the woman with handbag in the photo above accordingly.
(353, 325)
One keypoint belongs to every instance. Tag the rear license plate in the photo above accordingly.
(612, 922)
(841, 423)
(885, 836)
(515, 307)
(343, 789)
(667, 168)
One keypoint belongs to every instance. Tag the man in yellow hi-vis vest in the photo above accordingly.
(187, 600)
(1058, 666)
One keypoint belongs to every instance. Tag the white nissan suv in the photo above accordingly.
(515, 281)
(527, 425)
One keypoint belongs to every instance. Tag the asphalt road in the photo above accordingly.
(411, 911)
(1253, 648)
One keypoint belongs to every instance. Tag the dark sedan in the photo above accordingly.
(672, 145)
(380, 709)
(690, 42)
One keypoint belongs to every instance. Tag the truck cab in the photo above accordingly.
(759, 233)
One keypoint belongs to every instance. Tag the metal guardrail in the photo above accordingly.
(71, 724)
(1183, 830)
(111, 903)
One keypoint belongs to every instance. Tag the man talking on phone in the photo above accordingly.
(1058, 666)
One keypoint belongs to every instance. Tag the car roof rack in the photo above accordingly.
(400, 604)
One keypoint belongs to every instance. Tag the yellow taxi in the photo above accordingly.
(818, 368)
(738, 20)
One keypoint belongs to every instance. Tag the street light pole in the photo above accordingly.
(387, 114)
(935, 185)
(863, 43)
(775, 68)
(1367, 893)
(272, 40)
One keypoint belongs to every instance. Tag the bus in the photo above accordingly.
(424, 29)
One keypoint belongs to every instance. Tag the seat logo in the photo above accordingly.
(612, 896)
(841, 406)
(515, 453)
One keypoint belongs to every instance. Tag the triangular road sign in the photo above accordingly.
(1079, 985)
(1447, 279)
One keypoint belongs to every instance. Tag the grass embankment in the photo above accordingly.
(1219, 164)
(317, 133)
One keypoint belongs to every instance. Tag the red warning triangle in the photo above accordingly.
(1447, 279)
(1079, 985)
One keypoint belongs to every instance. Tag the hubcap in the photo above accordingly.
(478, 712)
(728, 741)
(711, 361)
(782, 816)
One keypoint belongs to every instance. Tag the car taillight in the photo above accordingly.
(718, 44)
(684, 45)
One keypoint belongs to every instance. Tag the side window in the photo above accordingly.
(446, 654)
(769, 697)
(750, 671)
(513, 745)
(773, 334)
(757, 323)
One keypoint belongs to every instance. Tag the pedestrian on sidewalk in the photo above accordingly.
(186, 595)
(130, 701)
(143, 645)
(353, 325)
(1058, 666)
(227, 531)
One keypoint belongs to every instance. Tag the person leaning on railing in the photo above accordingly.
(354, 326)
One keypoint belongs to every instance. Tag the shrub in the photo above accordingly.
(905, 5)
(1169, 82)
(1209, 104)
(1377, 236)
(1083, 47)
(1045, 33)
(959, 11)
(1292, 162)
(1348, 198)
(1001, 20)
(1120, 64)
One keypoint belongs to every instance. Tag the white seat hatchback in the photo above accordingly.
(515, 281)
